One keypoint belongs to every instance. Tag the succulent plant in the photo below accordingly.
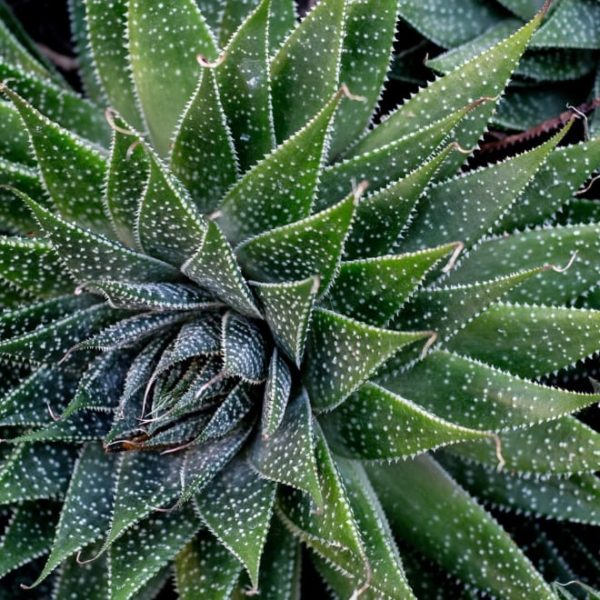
(240, 319)
(561, 66)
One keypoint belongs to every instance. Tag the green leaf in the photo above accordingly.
(574, 24)
(87, 69)
(298, 91)
(500, 256)
(15, 217)
(30, 402)
(106, 25)
(529, 341)
(381, 218)
(273, 459)
(237, 507)
(36, 472)
(373, 290)
(471, 394)
(33, 266)
(446, 212)
(525, 9)
(268, 196)
(446, 310)
(307, 248)
(169, 227)
(332, 370)
(101, 385)
(203, 461)
(391, 162)
(206, 569)
(14, 139)
(276, 395)
(154, 296)
(148, 547)
(387, 578)
(449, 23)
(164, 41)
(50, 342)
(561, 447)
(575, 499)
(245, 86)
(203, 156)
(369, 33)
(483, 76)
(287, 308)
(564, 172)
(126, 181)
(63, 159)
(91, 577)
(281, 23)
(59, 104)
(91, 257)
(331, 530)
(281, 568)
(146, 481)
(87, 507)
(466, 540)
(244, 349)
(397, 428)
(28, 535)
(214, 267)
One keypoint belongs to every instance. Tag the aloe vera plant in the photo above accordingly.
(244, 328)
(561, 66)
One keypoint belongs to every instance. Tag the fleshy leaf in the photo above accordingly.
(307, 248)
(244, 349)
(298, 91)
(332, 372)
(125, 182)
(373, 290)
(529, 341)
(164, 41)
(530, 249)
(206, 569)
(269, 196)
(59, 104)
(288, 456)
(381, 218)
(28, 535)
(466, 540)
(35, 472)
(409, 429)
(72, 171)
(276, 396)
(106, 25)
(574, 499)
(203, 156)
(446, 310)
(287, 309)
(446, 212)
(562, 447)
(169, 227)
(332, 530)
(483, 76)
(471, 394)
(215, 268)
(87, 507)
(245, 87)
(146, 548)
(90, 256)
(369, 32)
(237, 507)
(33, 266)
(153, 296)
